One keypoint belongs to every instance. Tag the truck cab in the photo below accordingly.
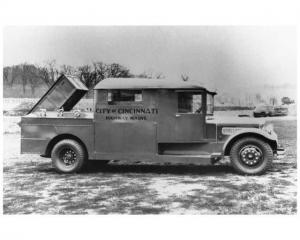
(150, 120)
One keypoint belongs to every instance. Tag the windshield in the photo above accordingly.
(210, 104)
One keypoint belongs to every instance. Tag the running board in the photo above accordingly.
(207, 159)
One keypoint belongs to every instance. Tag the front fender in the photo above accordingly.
(251, 132)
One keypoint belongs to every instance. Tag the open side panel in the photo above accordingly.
(64, 93)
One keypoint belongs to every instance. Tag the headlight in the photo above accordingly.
(269, 128)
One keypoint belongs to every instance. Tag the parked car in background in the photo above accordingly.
(263, 110)
(280, 111)
(269, 110)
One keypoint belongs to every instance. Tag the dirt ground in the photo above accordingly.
(31, 186)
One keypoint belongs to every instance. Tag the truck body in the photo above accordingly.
(150, 120)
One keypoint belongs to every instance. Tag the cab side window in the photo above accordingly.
(190, 103)
(116, 96)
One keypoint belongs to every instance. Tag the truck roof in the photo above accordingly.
(146, 83)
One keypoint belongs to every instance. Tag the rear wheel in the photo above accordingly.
(251, 156)
(68, 156)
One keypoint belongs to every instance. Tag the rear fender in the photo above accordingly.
(250, 132)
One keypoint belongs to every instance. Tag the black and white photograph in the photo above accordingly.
(150, 120)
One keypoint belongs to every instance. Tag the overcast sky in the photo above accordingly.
(217, 56)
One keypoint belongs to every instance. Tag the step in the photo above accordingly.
(186, 159)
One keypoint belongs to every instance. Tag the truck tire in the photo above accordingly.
(251, 156)
(68, 156)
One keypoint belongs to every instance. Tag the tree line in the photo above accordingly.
(34, 75)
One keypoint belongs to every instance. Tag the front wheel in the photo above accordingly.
(68, 156)
(251, 156)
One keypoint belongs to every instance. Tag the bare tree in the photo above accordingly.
(150, 74)
(143, 75)
(87, 76)
(6, 71)
(117, 71)
(101, 70)
(287, 100)
(67, 70)
(16, 72)
(49, 72)
(29, 76)
(34, 75)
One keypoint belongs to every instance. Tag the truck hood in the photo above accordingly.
(236, 121)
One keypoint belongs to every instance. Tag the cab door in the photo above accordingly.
(190, 117)
(182, 117)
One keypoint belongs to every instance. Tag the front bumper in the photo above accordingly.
(280, 153)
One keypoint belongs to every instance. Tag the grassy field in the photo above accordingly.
(31, 186)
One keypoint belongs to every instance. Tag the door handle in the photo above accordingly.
(177, 115)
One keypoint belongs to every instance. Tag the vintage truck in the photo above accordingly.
(150, 120)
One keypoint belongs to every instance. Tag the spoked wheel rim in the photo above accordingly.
(251, 156)
(68, 157)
